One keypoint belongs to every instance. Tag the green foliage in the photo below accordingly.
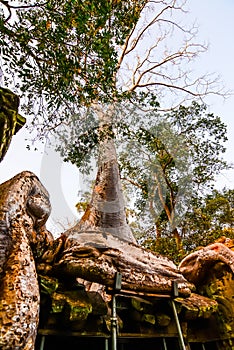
(206, 135)
(78, 140)
(179, 155)
(66, 51)
(165, 246)
(187, 137)
(210, 218)
(65, 56)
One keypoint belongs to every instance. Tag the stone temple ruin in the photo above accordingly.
(94, 287)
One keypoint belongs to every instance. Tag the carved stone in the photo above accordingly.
(78, 269)
(211, 269)
(197, 265)
(93, 256)
(10, 120)
(24, 209)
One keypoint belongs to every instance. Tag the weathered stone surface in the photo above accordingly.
(24, 208)
(79, 268)
(163, 320)
(10, 120)
(94, 256)
(76, 268)
(211, 269)
(197, 265)
(97, 256)
(196, 306)
(219, 285)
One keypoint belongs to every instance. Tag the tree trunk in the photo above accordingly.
(106, 211)
(97, 257)
(196, 266)
(158, 234)
(24, 208)
(178, 240)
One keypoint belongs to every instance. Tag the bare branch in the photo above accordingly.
(6, 4)
(148, 64)
(134, 183)
(19, 7)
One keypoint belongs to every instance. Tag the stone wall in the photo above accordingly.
(10, 120)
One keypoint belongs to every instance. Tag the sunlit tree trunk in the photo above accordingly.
(178, 240)
(169, 210)
(158, 231)
(106, 211)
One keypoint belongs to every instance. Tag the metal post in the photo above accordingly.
(181, 339)
(114, 320)
(114, 325)
(42, 342)
(106, 343)
(164, 344)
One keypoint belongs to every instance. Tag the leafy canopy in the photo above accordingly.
(66, 49)
(209, 218)
(63, 55)
(179, 155)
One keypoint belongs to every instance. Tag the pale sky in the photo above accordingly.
(215, 19)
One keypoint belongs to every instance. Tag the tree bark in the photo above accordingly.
(106, 211)
(24, 208)
(98, 256)
(195, 267)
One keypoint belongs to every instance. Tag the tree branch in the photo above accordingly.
(10, 7)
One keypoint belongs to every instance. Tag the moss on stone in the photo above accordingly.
(10, 120)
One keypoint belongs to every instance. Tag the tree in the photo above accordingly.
(82, 64)
(63, 56)
(209, 219)
(178, 159)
